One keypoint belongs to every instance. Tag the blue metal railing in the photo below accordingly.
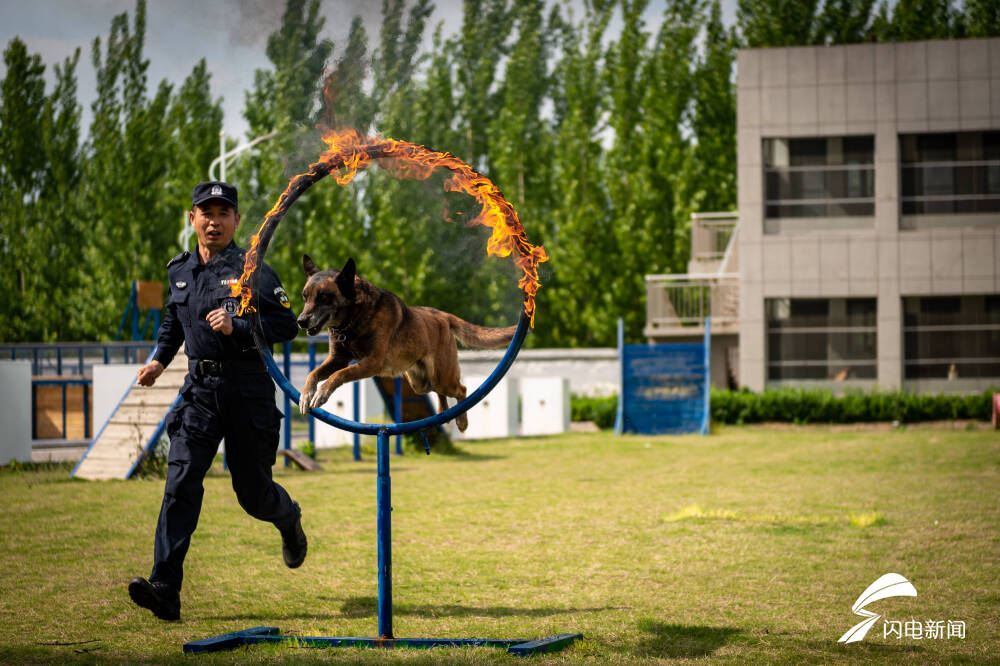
(77, 358)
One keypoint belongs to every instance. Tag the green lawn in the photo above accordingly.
(749, 545)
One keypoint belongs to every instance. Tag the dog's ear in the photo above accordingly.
(345, 279)
(308, 266)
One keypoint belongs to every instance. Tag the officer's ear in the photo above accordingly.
(308, 266)
(345, 279)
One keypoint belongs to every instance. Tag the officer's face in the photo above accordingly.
(215, 223)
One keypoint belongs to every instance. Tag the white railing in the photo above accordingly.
(684, 300)
(711, 236)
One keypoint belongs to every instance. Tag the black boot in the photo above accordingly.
(293, 542)
(163, 600)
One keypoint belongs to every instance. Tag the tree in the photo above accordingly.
(22, 172)
(913, 20)
(714, 119)
(129, 147)
(844, 21)
(982, 18)
(576, 301)
(777, 22)
(286, 99)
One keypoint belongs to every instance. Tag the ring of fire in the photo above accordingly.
(350, 151)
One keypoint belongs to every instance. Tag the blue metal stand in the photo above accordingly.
(386, 638)
(384, 500)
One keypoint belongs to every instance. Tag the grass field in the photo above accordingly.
(749, 545)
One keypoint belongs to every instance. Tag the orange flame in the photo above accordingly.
(410, 160)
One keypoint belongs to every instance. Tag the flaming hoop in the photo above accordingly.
(350, 151)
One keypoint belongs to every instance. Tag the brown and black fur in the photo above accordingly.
(386, 337)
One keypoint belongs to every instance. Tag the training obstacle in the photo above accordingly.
(386, 637)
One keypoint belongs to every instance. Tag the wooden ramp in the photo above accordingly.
(134, 426)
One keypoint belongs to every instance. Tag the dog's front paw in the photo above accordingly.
(320, 397)
(305, 400)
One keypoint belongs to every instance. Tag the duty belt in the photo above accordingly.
(210, 368)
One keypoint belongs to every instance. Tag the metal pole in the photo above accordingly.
(398, 411)
(357, 418)
(384, 538)
(288, 402)
(620, 412)
(707, 416)
(312, 420)
(64, 410)
(222, 156)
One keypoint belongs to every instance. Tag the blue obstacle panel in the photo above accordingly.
(663, 388)
(258, 635)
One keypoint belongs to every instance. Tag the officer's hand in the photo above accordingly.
(149, 372)
(220, 321)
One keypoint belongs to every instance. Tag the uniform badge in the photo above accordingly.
(231, 306)
(282, 296)
(180, 284)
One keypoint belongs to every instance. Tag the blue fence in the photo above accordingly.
(665, 388)
(75, 358)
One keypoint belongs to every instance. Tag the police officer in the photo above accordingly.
(226, 394)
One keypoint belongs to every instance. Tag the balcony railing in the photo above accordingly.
(678, 304)
(711, 236)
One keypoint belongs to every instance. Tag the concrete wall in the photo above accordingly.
(15, 411)
(878, 89)
(111, 381)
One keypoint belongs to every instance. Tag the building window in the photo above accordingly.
(820, 338)
(951, 337)
(819, 177)
(949, 174)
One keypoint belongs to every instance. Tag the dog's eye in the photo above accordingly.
(323, 299)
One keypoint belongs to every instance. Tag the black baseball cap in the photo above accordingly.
(214, 189)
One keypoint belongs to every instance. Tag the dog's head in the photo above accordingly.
(328, 296)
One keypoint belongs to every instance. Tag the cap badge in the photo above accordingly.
(216, 190)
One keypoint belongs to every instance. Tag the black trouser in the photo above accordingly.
(242, 410)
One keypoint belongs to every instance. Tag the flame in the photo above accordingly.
(355, 151)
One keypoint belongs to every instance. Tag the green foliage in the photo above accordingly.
(599, 409)
(307, 447)
(821, 406)
(605, 144)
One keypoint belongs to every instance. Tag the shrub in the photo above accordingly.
(601, 409)
(798, 405)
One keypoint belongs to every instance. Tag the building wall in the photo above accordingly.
(882, 90)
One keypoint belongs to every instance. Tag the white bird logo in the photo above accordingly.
(889, 585)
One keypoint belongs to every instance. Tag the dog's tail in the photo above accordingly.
(479, 337)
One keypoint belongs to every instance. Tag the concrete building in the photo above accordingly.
(867, 248)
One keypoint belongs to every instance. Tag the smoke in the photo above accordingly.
(249, 22)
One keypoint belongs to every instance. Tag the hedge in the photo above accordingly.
(813, 406)
(821, 406)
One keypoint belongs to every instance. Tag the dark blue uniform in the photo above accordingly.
(227, 394)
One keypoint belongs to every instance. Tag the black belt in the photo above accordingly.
(209, 368)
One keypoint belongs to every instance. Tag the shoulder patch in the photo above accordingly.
(180, 257)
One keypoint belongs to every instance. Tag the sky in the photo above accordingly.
(230, 34)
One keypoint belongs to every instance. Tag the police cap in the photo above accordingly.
(214, 189)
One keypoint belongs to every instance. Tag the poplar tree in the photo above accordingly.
(285, 99)
(777, 22)
(22, 171)
(714, 119)
(576, 298)
(982, 18)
